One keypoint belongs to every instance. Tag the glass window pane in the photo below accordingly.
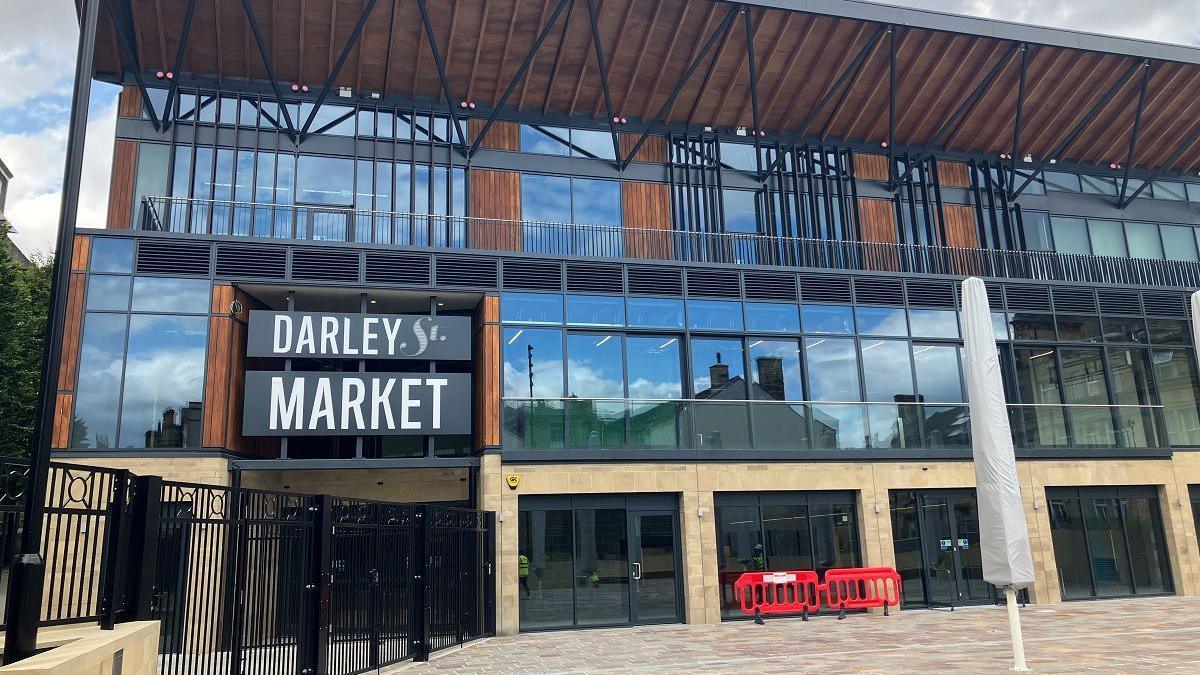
(531, 308)
(832, 368)
(1070, 235)
(595, 368)
(1096, 185)
(1148, 553)
(1108, 238)
(601, 567)
(101, 356)
(1037, 230)
(1136, 427)
(788, 539)
(1169, 331)
(654, 367)
(1168, 190)
(1124, 329)
(1179, 242)
(775, 317)
(1070, 548)
(595, 310)
(326, 181)
(152, 170)
(1106, 546)
(1040, 426)
(881, 321)
(1000, 326)
(545, 140)
(164, 382)
(1143, 240)
(1027, 326)
(887, 370)
(827, 319)
(539, 348)
(654, 312)
(717, 369)
(544, 569)
(938, 378)
(1072, 328)
(1175, 376)
(112, 254)
(592, 143)
(775, 370)
(1193, 192)
(714, 314)
(739, 550)
(738, 156)
(740, 212)
(161, 294)
(108, 292)
(1062, 182)
(545, 198)
(933, 322)
(1084, 383)
(596, 202)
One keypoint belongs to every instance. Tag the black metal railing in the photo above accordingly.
(255, 581)
(325, 223)
(705, 424)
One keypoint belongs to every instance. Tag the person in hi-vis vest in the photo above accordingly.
(523, 572)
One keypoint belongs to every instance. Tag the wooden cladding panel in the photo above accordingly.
(120, 195)
(870, 167)
(877, 220)
(653, 150)
(502, 135)
(646, 212)
(960, 226)
(218, 375)
(129, 102)
(68, 366)
(954, 174)
(81, 253)
(496, 210)
(487, 373)
(64, 406)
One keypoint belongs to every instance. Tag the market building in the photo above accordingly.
(671, 286)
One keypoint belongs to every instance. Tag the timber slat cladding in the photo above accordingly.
(120, 196)
(954, 174)
(68, 369)
(218, 375)
(870, 167)
(646, 209)
(502, 135)
(64, 406)
(961, 232)
(653, 150)
(496, 210)
(877, 223)
(129, 102)
(487, 375)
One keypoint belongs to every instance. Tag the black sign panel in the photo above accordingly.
(353, 404)
(332, 335)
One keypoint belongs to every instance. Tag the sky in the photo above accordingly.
(38, 57)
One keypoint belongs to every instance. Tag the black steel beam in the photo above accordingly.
(132, 63)
(173, 90)
(266, 57)
(441, 68)
(754, 111)
(968, 104)
(1133, 136)
(891, 132)
(1016, 146)
(512, 84)
(1188, 142)
(603, 66)
(687, 74)
(27, 575)
(341, 61)
(849, 71)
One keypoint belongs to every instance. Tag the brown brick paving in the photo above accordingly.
(1142, 635)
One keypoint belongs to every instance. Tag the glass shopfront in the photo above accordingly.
(1108, 542)
(936, 538)
(782, 531)
(606, 560)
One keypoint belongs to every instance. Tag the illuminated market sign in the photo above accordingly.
(298, 403)
(331, 335)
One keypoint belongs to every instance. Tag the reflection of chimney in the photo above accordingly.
(770, 376)
(168, 418)
(718, 374)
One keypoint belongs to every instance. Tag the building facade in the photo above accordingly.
(672, 287)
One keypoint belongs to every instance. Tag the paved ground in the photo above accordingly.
(1160, 635)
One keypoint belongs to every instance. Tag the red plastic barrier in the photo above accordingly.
(778, 592)
(862, 587)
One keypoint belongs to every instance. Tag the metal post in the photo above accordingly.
(489, 586)
(603, 66)
(114, 556)
(441, 68)
(418, 627)
(1133, 136)
(174, 88)
(143, 545)
(266, 57)
(24, 602)
(337, 66)
(1016, 149)
(891, 132)
(317, 657)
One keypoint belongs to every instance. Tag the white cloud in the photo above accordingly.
(38, 57)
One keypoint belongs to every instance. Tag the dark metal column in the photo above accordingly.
(24, 602)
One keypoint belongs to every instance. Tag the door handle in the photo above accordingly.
(637, 571)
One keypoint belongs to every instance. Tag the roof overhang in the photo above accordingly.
(825, 70)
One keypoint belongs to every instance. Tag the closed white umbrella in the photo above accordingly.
(1003, 531)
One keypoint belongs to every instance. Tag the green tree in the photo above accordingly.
(24, 299)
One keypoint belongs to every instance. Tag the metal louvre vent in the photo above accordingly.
(325, 264)
(251, 260)
(816, 288)
(535, 275)
(713, 284)
(655, 280)
(409, 269)
(1164, 304)
(1079, 300)
(878, 291)
(477, 272)
(925, 293)
(1113, 301)
(770, 286)
(173, 257)
(583, 277)
(1028, 298)
(995, 295)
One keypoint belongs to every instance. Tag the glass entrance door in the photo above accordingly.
(653, 571)
(947, 569)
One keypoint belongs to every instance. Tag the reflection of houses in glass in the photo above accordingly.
(727, 425)
(181, 433)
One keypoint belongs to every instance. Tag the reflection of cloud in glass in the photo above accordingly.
(832, 369)
(164, 370)
(158, 294)
(586, 380)
(99, 387)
